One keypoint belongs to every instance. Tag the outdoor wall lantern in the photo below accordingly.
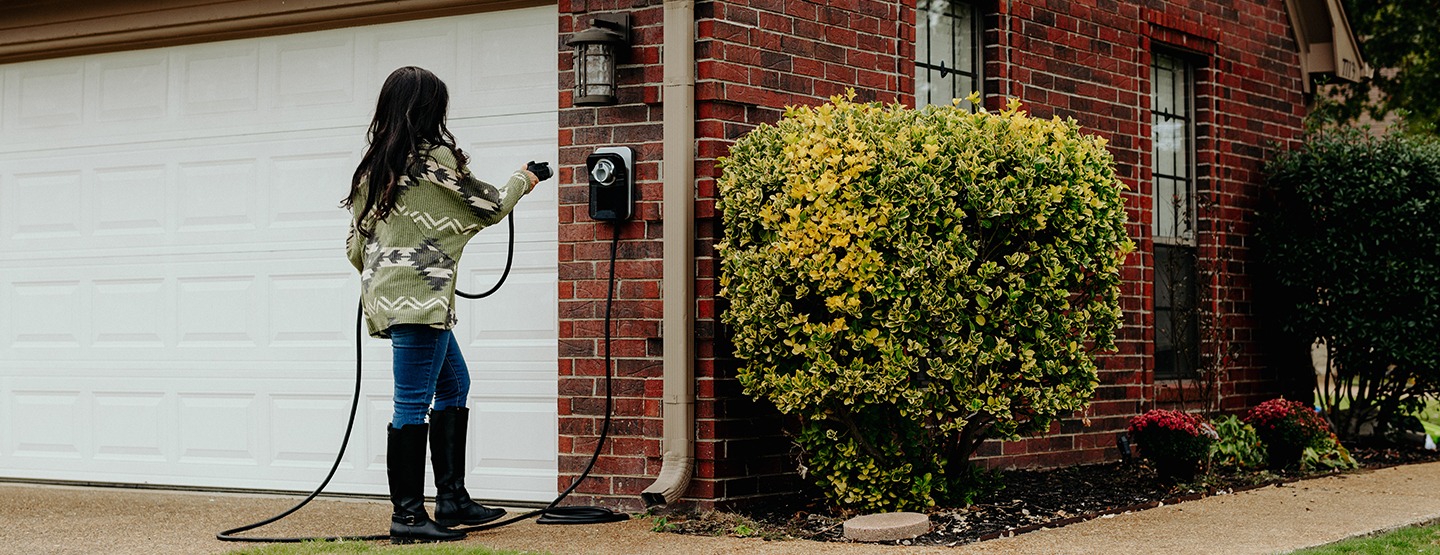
(596, 50)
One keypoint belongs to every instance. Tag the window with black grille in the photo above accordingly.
(1172, 107)
(947, 52)
(1173, 112)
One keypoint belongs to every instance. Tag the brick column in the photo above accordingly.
(752, 59)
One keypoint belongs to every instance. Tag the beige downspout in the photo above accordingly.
(678, 288)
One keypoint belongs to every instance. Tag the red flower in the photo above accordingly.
(1174, 442)
(1279, 413)
(1159, 419)
(1288, 428)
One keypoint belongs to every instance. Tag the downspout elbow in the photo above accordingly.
(672, 482)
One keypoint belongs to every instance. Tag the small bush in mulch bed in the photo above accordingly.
(1030, 500)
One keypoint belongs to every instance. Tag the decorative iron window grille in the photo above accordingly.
(1173, 113)
(947, 52)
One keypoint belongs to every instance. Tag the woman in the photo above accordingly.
(414, 205)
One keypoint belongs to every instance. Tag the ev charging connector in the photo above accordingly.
(612, 183)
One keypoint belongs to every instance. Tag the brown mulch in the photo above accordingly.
(1029, 500)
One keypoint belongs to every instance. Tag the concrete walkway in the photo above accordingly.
(53, 519)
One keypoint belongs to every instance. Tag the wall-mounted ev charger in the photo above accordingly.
(612, 183)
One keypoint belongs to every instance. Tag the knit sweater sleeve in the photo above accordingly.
(487, 203)
(354, 249)
(354, 241)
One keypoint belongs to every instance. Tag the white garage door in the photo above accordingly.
(177, 308)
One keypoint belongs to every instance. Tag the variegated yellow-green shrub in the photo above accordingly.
(911, 283)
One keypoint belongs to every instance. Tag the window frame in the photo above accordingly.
(925, 65)
(1176, 285)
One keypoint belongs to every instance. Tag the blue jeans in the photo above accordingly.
(428, 369)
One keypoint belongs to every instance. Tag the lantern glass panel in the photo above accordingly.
(597, 74)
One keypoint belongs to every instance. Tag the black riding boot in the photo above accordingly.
(405, 461)
(453, 505)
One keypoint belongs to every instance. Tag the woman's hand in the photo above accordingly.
(540, 169)
(537, 172)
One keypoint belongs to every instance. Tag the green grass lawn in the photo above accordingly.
(1415, 539)
(358, 548)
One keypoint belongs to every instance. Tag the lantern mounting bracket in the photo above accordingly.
(617, 23)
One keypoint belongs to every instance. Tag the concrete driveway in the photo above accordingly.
(60, 519)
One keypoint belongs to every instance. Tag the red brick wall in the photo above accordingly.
(1086, 60)
(633, 450)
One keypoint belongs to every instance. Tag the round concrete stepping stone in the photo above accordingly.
(885, 527)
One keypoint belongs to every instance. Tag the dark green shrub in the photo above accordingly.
(1177, 444)
(910, 283)
(1352, 245)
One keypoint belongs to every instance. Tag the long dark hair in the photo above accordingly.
(409, 115)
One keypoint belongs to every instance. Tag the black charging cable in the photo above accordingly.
(509, 258)
(551, 514)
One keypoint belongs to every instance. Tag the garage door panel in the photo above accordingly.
(295, 299)
(131, 199)
(316, 71)
(220, 312)
(49, 306)
(290, 314)
(131, 313)
(47, 424)
(377, 406)
(123, 428)
(518, 316)
(217, 196)
(292, 444)
(128, 426)
(416, 45)
(131, 87)
(41, 188)
(172, 266)
(509, 463)
(298, 193)
(223, 78)
(218, 428)
(45, 97)
(523, 311)
(502, 445)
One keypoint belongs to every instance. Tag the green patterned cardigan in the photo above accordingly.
(407, 266)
